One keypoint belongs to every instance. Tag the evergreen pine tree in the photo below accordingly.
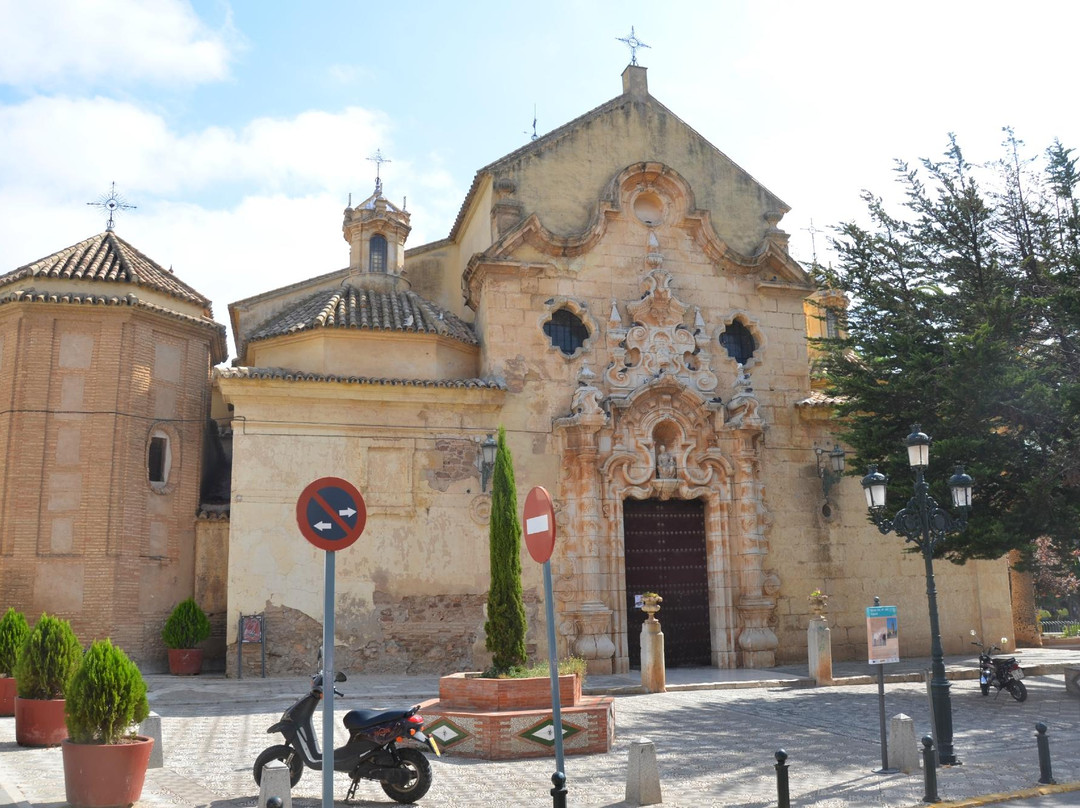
(965, 318)
(506, 625)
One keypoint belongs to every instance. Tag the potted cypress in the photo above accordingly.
(13, 632)
(186, 627)
(48, 658)
(105, 761)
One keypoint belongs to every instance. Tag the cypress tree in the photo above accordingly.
(506, 625)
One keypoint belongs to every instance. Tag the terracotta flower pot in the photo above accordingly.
(7, 695)
(185, 661)
(39, 722)
(105, 775)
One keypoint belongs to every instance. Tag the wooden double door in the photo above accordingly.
(665, 553)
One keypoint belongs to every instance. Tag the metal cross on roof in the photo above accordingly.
(378, 160)
(111, 202)
(633, 43)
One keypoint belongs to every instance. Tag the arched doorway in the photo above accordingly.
(665, 552)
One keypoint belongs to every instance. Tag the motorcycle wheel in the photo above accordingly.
(415, 762)
(1018, 690)
(280, 752)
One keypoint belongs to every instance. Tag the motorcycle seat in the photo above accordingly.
(359, 719)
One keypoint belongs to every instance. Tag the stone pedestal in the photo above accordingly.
(819, 650)
(593, 643)
(653, 672)
(903, 752)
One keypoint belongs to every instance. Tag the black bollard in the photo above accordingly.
(1046, 775)
(929, 766)
(274, 802)
(782, 794)
(558, 794)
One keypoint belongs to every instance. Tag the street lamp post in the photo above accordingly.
(926, 525)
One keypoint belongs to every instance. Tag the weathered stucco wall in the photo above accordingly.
(410, 590)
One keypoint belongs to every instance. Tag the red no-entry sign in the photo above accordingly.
(331, 513)
(539, 518)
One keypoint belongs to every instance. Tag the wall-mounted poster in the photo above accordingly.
(882, 637)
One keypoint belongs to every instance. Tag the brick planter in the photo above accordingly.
(507, 719)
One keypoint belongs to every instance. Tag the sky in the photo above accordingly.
(239, 129)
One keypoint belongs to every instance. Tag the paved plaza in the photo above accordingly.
(715, 734)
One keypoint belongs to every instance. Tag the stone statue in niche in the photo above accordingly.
(665, 463)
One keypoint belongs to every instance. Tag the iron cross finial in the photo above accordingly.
(111, 202)
(378, 160)
(633, 43)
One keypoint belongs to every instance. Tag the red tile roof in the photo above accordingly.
(107, 258)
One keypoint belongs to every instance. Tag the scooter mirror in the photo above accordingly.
(339, 676)
(973, 634)
(1004, 641)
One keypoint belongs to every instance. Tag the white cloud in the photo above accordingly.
(50, 43)
(76, 145)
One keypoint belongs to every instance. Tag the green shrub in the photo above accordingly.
(1041, 615)
(1071, 630)
(506, 624)
(49, 656)
(570, 665)
(13, 632)
(187, 626)
(106, 697)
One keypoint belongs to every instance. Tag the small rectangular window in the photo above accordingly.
(158, 447)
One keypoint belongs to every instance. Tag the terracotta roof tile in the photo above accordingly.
(107, 258)
(361, 308)
(819, 399)
(285, 374)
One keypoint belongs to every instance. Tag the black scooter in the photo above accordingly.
(1004, 673)
(371, 753)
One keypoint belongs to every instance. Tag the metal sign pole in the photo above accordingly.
(328, 684)
(559, 779)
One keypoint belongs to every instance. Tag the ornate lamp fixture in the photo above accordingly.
(926, 525)
(830, 467)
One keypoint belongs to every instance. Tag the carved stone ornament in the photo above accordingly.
(658, 342)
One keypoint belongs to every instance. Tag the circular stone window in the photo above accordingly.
(648, 208)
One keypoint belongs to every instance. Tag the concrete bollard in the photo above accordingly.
(642, 774)
(151, 728)
(275, 785)
(903, 751)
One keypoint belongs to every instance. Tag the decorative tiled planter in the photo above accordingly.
(507, 719)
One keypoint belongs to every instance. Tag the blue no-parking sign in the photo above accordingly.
(331, 513)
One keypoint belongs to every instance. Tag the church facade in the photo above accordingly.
(619, 297)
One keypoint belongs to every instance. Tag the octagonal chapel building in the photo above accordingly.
(618, 296)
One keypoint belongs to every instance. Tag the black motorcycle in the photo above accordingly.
(371, 753)
(1002, 672)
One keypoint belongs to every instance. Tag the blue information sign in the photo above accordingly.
(882, 635)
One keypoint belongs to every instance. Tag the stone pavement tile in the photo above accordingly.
(714, 748)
